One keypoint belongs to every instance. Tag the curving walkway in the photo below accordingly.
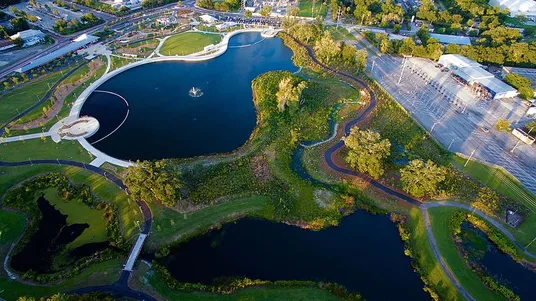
(328, 156)
(495, 223)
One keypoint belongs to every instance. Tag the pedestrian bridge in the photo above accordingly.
(135, 253)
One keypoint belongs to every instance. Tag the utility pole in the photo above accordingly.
(372, 68)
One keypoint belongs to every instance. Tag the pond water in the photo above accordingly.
(49, 240)
(364, 253)
(516, 277)
(164, 121)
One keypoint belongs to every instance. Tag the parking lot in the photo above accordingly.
(49, 15)
(456, 116)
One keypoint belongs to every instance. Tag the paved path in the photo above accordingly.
(24, 137)
(444, 266)
(328, 155)
(483, 215)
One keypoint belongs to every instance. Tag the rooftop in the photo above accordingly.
(450, 39)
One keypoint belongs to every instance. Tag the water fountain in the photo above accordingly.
(195, 92)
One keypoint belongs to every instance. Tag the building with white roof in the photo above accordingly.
(517, 7)
(450, 39)
(29, 37)
(208, 19)
(77, 43)
(472, 72)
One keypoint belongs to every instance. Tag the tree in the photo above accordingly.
(420, 179)
(179, 3)
(293, 11)
(153, 181)
(487, 200)
(367, 151)
(19, 42)
(326, 48)
(526, 93)
(289, 95)
(502, 125)
(248, 14)
(266, 11)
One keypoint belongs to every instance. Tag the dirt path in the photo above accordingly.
(61, 92)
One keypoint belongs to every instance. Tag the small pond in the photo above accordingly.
(364, 253)
(50, 240)
(165, 121)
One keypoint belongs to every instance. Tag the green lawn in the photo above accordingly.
(97, 274)
(440, 217)
(426, 259)
(506, 184)
(12, 225)
(34, 149)
(341, 34)
(306, 7)
(79, 213)
(22, 98)
(170, 226)
(188, 43)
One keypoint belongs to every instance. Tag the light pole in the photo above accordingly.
(433, 126)
(403, 67)
(450, 144)
(472, 153)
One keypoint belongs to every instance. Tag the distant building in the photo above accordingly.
(77, 43)
(473, 73)
(512, 218)
(29, 37)
(6, 44)
(208, 19)
(168, 20)
(517, 7)
(450, 39)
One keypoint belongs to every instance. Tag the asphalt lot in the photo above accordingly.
(455, 116)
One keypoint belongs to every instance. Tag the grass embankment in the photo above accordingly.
(171, 226)
(98, 274)
(11, 227)
(440, 218)
(35, 149)
(79, 213)
(22, 98)
(426, 259)
(188, 43)
(340, 34)
(506, 184)
(306, 9)
(250, 293)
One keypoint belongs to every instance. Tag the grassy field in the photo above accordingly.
(170, 226)
(11, 227)
(306, 7)
(38, 149)
(341, 34)
(188, 43)
(426, 259)
(440, 218)
(506, 184)
(22, 98)
(79, 213)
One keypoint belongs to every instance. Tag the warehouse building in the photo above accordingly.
(29, 37)
(473, 73)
